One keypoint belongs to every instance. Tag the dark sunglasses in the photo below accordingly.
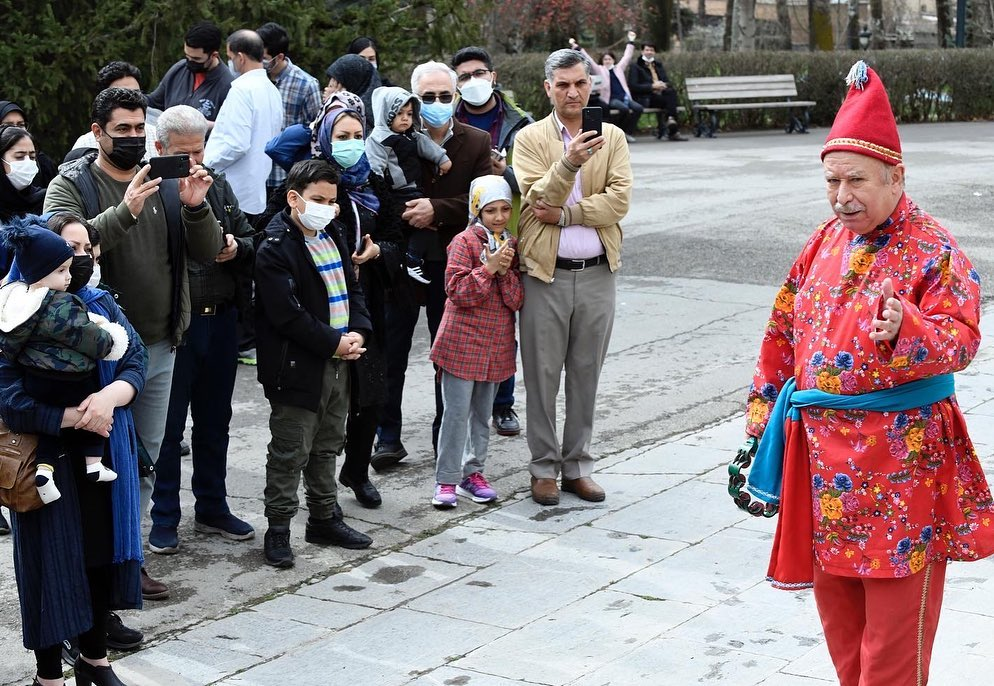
(444, 98)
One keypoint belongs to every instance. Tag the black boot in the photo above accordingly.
(87, 674)
(335, 531)
(277, 547)
(365, 491)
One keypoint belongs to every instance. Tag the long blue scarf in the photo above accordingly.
(766, 475)
(123, 443)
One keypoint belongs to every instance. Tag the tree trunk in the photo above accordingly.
(821, 25)
(745, 26)
(702, 12)
(979, 24)
(852, 25)
(726, 39)
(661, 23)
(877, 38)
(943, 26)
(783, 18)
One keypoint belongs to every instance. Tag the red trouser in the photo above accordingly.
(880, 631)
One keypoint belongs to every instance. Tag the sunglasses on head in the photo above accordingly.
(444, 98)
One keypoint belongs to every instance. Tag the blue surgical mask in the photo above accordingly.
(347, 153)
(436, 114)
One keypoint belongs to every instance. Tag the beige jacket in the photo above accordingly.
(606, 181)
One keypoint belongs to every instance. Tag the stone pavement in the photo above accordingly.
(660, 584)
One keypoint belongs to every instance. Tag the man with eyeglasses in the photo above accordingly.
(482, 104)
(200, 79)
(435, 219)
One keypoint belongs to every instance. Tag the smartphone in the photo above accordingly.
(169, 166)
(593, 119)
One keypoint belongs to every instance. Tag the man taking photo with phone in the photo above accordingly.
(576, 187)
(148, 231)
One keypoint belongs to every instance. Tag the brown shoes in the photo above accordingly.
(585, 488)
(153, 589)
(545, 491)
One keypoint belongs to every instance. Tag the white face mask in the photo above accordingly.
(21, 173)
(317, 216)
(95, 277)
(477, 92)
(647, 58)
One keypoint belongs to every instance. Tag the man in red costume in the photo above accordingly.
(880, 482)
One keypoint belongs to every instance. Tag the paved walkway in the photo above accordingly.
(660, 584)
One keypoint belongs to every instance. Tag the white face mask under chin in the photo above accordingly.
(317, 216)
(95, 277)
(21, 173)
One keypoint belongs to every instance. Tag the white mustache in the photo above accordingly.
(848, 208)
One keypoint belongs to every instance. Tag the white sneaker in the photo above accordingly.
(418, 275)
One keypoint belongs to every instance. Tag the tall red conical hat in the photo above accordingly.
(865, 122)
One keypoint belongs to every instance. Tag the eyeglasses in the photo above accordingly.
(444, 98)
(477, 74)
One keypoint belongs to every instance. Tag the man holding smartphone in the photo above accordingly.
(575, 187)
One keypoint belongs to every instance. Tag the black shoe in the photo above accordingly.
(4, 526)
(184, 448)
(676, 137)
(277, 547)
(335, 531)
(87, 674)
(387, 455)
(365, 491)
(506, 421)
(70, 651)
(121, 637)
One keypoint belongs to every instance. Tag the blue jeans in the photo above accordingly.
(505, 391)
(152, 406)
(401, 320)
(203, 381)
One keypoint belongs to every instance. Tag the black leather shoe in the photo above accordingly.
(335, 531)
(121, 637)
(365, 491)
(4, 526)
(506, 421)
(387, 455)
(87, 674)
(277, 548)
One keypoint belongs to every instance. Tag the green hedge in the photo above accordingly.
(924, 85)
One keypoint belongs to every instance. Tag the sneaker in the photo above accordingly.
(121, 637)
(417, 274)
(163, 540)
(247, 357)
(477, 488)
(184, 448)
(70, 652)
(506, 421)
(277, 547)
(227, 525)
(445, 496)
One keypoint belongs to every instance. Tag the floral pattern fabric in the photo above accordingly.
(890, 491)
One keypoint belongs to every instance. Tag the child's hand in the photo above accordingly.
(350, 346)
(507, 257)
(370, 251)
(444, 167)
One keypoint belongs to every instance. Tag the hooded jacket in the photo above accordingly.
(397, 156)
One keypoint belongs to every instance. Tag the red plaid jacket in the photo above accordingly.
(475, 340)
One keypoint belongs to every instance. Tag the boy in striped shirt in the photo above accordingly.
(310, 319)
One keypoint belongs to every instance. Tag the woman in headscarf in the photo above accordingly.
(21, 191)
(366, 48)
(12, 113)
(357, 75)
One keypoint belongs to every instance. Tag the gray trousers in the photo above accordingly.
(151, 408)
(564, 324)
(465, 432)
(305, 442)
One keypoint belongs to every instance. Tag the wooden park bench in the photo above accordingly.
(710, 95)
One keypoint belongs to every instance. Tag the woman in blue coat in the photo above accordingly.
(80, 557)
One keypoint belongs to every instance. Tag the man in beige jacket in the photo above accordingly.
(575, 188)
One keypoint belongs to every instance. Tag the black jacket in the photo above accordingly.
(293, 338)
(640, 77)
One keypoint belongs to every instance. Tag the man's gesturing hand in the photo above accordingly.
(139, 189)
(892, 313)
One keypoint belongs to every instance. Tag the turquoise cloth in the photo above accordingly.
(766, 475)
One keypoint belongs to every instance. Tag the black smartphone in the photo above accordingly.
(593, 119)
(169, 166)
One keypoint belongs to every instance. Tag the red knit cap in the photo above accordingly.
(865, 123)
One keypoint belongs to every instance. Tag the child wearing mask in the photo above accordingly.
(395, 149)
(58, 343)
(474, 348)
(311, 318)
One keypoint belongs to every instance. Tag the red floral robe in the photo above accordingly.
(890, 491)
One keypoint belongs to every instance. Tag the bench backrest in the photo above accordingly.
(741, 87)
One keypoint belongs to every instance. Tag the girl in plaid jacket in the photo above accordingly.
(474, 347)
